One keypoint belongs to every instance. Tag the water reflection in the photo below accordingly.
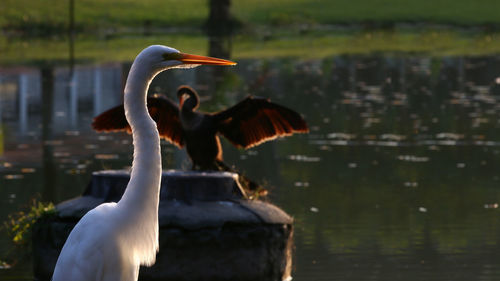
(397, 179)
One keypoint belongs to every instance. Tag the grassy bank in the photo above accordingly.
(276, 29)
(98, 14)
(358, 11)
(305, 46)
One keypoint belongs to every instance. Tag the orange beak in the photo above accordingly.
(196, 59)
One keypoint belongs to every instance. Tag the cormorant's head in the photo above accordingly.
(188, 98)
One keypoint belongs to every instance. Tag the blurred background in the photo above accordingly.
(398, 178)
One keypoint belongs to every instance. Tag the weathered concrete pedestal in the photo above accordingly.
(208, 230)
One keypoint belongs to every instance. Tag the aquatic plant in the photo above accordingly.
(18, 229)
(18, 225)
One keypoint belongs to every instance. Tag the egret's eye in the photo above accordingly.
(172, 56)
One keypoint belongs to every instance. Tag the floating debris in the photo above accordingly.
(304, 158)
(388, 143)
(486, 143)
(326, 147)
(369, 121)
(301, 184)
(393, 137)
(104, 138)
(412, 158)
(451, 136)
(330, 142)
(106, 156)
(448, 142)
(491, 206)
(422, 209)
(342, 136)
(411, 184)
(315, 128)
(53, 142)
(460, 165)
(375, 97)
(483, 95)
(60, 154)
(314, 209)
(13, 177)
(27, 170)
(4, 265)
(476, 122)
(352, 165)
(72, 133)
(399, 102)
(75, 171)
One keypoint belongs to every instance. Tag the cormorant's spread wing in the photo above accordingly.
(256, 120)
(111, 120)
(163, 111)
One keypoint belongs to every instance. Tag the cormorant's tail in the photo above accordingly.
(254, 189)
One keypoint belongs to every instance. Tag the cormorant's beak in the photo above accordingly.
(196, 59)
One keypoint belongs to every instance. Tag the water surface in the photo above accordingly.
(397, 180)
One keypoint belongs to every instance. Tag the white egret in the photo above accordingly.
(111, 241)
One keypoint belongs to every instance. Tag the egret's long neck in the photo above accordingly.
(146, 167)
(140, 201)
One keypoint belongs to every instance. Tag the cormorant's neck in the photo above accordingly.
(190, 105)
(187, 110)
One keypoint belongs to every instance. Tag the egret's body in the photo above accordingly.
(111, 241)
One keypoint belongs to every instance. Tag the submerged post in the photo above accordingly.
(208, 229)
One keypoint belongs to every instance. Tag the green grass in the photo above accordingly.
(433, 43)
(303, 46)
(348, 11)
(15, 51)
(92, 14)
(275, 27)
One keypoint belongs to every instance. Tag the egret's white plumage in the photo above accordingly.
(111, 241)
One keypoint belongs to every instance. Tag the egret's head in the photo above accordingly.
(162, 57)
